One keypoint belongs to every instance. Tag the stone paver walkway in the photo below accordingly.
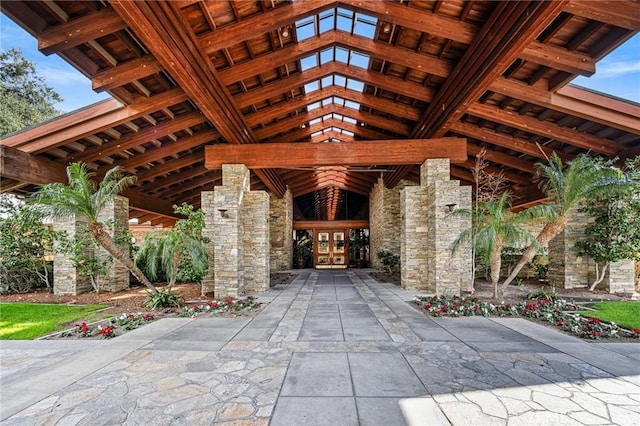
(332, 348)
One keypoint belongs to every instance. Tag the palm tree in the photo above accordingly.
(165, 249)
(494, 227)
(565, 187)
(82, 197)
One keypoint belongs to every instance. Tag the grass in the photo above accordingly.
(625, 314)
(28, 321)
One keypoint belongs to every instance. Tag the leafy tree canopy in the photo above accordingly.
(25, 98)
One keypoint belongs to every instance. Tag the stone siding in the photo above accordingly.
(428, 232)
(281, 227)
(209, 209)
(117, 277)
(384, 220)
(237, 222)
(66, 279)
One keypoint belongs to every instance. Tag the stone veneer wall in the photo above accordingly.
(384, 219)
(209, 209)
(117, 212)
(428, 232)
(568, 270)
(66, 279)
(281, 227)
(240, 238)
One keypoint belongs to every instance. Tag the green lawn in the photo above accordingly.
(27, 321)
(625, 314)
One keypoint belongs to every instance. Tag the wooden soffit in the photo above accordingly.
(286, 155)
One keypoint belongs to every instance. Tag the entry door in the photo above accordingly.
(331, 250)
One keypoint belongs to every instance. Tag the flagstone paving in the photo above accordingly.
(331, 348)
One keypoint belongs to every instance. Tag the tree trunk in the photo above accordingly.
(98, 232)
(175, 261)
(495, 266)
(599, 276)
(549, 231)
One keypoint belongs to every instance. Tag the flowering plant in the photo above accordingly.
(83, 330)
(131, 321)
(226, 305)
(106, 332)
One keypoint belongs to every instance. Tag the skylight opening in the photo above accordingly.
(338, 116)
(349, 120)
(327, 21)
(327, 81)
(359, 60)
(365, 26)
(340, 80)
(326, 56)
(309, 62)
(316, 134)
(342, 55)
(338, 101)
(311, 87)
(314, 121)
(348, 133)
(305, 29)
(327, 101)
(327, 117)
(345, 20)
(351, 104)
(356, 85)
(313, 106)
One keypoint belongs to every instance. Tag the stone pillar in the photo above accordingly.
(568, 270)
(281, 231)
(237, 223)
(208, 208)
(384, 220)
(115, 216)
(428, 232)
(66, 279)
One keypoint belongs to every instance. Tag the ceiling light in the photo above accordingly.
(386, 28)
(285, 31)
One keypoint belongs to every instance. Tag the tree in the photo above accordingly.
(564, 187)
(82, 197)
(24, 243)
(167, 250)
(614, 234)
(25, 98)
(494, 227)
(80, 251)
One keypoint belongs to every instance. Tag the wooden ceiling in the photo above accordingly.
(185, 74)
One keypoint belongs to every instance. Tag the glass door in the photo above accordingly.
(331, 250)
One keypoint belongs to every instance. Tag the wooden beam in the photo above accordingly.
(134, 139)
(168, 35)
(559, 58)
(79, 30)
(511, 27)
(545, 128)
(576, 102)
(125, 73)
(330, 224)
(113, 118)
(25, 167)
(624, 14)
(501, 158)
(174, 178)
(253, 26)
(170, 166)
(342, 154)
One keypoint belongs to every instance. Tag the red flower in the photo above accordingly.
(635, 330)
(427, 305)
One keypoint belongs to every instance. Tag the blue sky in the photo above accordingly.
(618, 74)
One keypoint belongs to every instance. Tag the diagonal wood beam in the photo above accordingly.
(168, 35)
(576, 102)
(288, 155)
(125, 73)
(619, 14)
(545, 128)
(511, 27)
(73, 131)
(79, 30)
(170, 166)
(25, 167)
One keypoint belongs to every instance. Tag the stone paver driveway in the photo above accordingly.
(332, 348)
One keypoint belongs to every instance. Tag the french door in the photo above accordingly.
(330, 249)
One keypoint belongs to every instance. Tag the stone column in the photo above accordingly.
(208, 208)
(568, 270)
(66, 279)
(281, 231)
(237, 222)
(428, 233)
(384, 220)
(115, 217)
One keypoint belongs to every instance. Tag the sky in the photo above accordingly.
(618, 74)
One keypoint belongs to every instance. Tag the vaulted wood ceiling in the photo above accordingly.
(190, 73)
